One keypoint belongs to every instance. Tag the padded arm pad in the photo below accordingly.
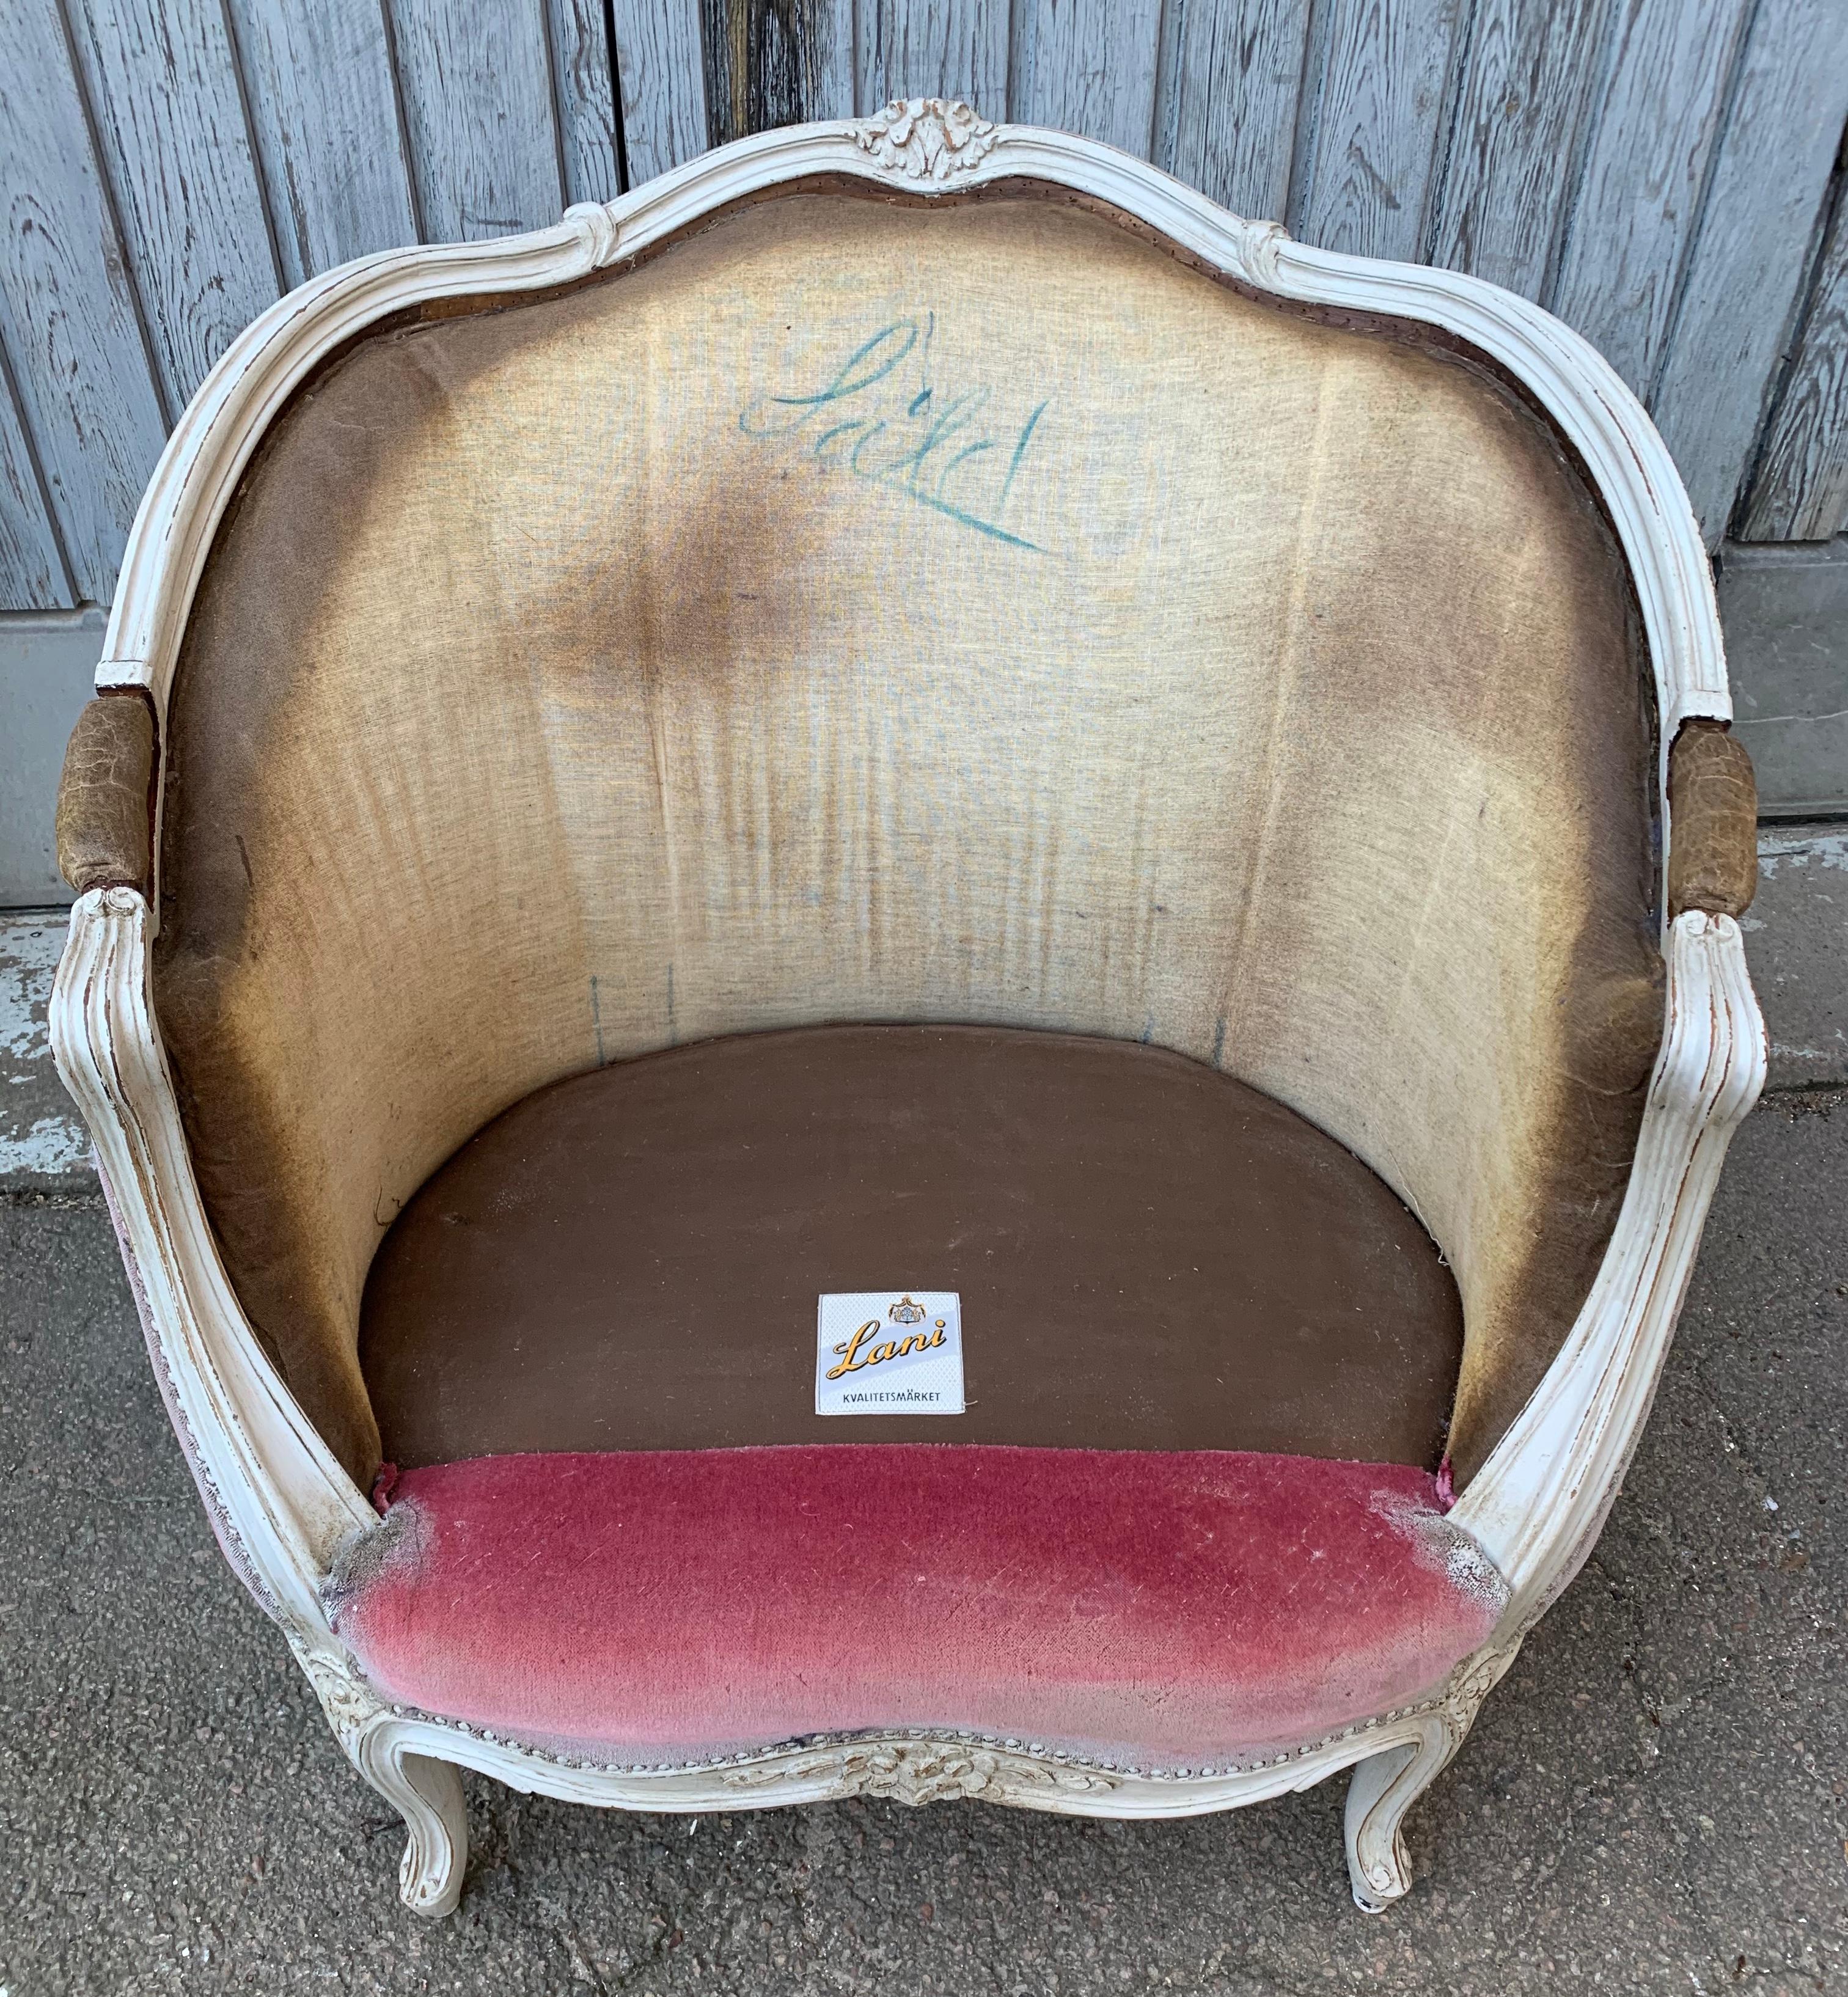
(1713, 808)
(105, 823)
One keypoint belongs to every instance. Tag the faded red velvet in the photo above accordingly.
(1157, 1608)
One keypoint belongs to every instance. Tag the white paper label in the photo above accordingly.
(889, 1352)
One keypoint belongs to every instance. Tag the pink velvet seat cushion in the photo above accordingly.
(1152, 1607)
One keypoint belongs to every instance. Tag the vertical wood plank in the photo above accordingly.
(776, 62)
(475, 83)
(67, 309)
(1368, 177)
(1762, 204)
(583, 84)
(32, 571)
(1088, 66)
(1234, 71)
(1654, 120)
(837, 93)
(661, 69)
(164, 89)
(1520, 97)
(324, 109)
(1801, 492)
(934, 48)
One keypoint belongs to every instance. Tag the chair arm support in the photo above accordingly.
(1535, 1508)
(1713, 823)
(105, 796)
(279, 1501)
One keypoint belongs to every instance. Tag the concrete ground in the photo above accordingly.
(1655, 1800)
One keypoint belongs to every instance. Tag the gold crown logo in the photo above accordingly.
(906, 1311)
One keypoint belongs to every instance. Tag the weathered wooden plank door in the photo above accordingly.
(68, 309)
(1382, 76)
(934, 48)
(660, 66)
(1745, 267)
(584, 90)
(1088, 66)
(1655, 123)
(1800, 492)
(31, 569)
(1520, 106)
(775, 62)
(164, 88)
(1656, 172)
(1233, 75)
(475, 82)
(323, 101)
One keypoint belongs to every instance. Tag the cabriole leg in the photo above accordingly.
(1380, 1792)
(427, 1793)
(1385, 1786)
(424, 1791)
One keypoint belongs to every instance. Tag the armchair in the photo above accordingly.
(910, 722)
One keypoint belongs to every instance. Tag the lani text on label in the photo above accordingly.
(877, 1352)
(851, 1350)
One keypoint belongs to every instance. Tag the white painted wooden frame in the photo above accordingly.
(280, 1503)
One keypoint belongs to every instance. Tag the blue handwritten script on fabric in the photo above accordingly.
(880, 415)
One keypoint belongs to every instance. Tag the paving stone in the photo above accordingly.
(1797, 945)
(42, 1145)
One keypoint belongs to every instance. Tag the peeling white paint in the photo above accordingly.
(40, 1136)
(30, 946)
(1825, 848)
(1797, 944)
(52, 1146)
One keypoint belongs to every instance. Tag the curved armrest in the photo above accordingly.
(105, 797)
(1713, 823)
(277, 1500)
(1536, 1506)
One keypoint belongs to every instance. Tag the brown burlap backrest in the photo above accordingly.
(865, 612)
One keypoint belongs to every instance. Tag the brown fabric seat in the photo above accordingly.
(1150, 1256)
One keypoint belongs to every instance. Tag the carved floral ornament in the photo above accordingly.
(348, 1703)
(922, 1772)
(926, 138)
